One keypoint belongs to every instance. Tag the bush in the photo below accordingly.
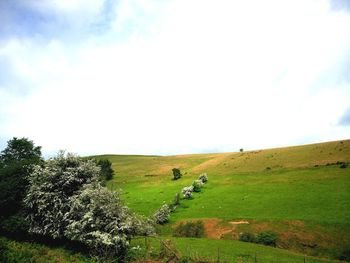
(51, 188)
(99, 220)
(15, 225)
(267, 238)
(189, 229)
(247, 237)
(106, 169)
(161, 216)
(16, 162)
(344, 254)
(66, 200)
(203, 177)
(343, 165)
(197, 185)
(176, 173)
(187, 192)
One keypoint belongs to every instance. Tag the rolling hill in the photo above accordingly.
(302, 193)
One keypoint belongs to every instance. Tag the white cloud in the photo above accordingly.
(189, 77)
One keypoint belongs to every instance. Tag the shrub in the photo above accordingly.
(247, 237)
(189, 229)
(343, 165)
(176, 173)
(66, 200)
(106, 169)
(187, 192)
(51, 187)
(15, 225)
(98, 219)
(344, 254)
(16, 162)
(197, 185)
(267, 238)
(161, 216)
(203, 177)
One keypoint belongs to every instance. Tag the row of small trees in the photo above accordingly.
(162, 215)
(195, 187)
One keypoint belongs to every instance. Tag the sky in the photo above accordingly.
(174, 77)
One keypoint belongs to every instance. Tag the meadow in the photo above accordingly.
(301, 193)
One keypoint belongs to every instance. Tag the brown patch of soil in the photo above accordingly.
(212, 227)
(213, 230)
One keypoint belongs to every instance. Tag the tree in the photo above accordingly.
(161, 216)
(106, 169)
(197, 185)
(187, 192)
(16, 163)
(66, 200)
(203, 177)
(176, 173)
(18, 150)
(98, 219)
(51, 188)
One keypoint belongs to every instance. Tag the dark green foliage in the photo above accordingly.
(176, 173)
(247, 237)
(344, 254)
(267, 238)
(189, 229)
(106, 169)
(15, 225)
(18, 150)
(343, 165)
(241, 150)
(16, 162)
(197, 185)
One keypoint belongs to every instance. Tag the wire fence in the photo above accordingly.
(170, 254)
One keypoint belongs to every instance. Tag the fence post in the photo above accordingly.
(255, 258)
(218, 260)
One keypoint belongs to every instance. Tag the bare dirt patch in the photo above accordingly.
(214, 230)
(212, 227)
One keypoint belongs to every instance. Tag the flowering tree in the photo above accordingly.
(187, 192)
(203, 177)
(197, 185)
(162, 215)
(65, 199)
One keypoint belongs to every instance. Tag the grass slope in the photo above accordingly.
(20, 252)
(230, 251)
(299, 192)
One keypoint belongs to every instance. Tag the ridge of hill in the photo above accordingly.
(299, 192)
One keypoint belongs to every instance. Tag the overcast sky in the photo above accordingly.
(173, 77)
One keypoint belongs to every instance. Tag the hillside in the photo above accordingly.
(299, 192)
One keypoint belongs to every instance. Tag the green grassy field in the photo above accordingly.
(299, 192)
(18, 252)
